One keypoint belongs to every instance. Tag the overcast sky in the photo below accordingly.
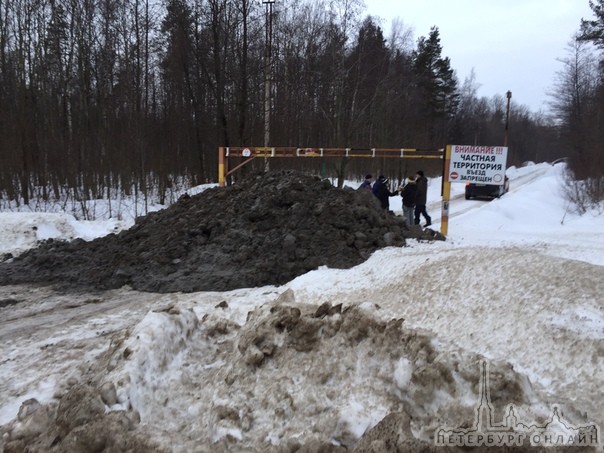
(511, 44)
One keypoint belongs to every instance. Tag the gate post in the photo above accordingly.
(446, 193)
(221, 167)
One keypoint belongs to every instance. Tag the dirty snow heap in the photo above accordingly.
(264, 230)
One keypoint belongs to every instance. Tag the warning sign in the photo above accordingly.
(478, 164)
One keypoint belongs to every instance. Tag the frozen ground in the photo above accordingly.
(519, 281)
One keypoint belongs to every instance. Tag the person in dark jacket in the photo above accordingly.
(409, 193)
(421, 197)
(367, 183)
(382, 192)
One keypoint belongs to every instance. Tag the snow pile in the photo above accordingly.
(24, 231)
(292, 375)
(78, 423)
(265, 230)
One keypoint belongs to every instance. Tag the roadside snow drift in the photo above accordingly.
(292, 375)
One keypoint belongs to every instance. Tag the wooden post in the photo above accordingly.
(221, 167)
(446, 193)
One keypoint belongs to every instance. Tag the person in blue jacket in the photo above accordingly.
(382, 192)
(367, 183)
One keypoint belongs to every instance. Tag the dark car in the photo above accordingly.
(474, 190)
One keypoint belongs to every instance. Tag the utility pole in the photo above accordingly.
(507, 118)
(268, 63)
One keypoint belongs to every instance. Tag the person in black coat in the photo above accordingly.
(382, 192)
(421, 198)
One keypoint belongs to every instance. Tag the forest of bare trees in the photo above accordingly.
(133, 95)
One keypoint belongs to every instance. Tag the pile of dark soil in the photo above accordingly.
(264, 230)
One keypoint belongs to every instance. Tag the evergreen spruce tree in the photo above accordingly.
(435, 77)
(593, 30)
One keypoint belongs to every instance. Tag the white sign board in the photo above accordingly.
(478, 164)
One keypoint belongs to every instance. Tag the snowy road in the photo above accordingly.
(459, 205)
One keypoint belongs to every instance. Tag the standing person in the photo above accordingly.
(382, 192)
(421, 197)
(409, 194)
(367, 183)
